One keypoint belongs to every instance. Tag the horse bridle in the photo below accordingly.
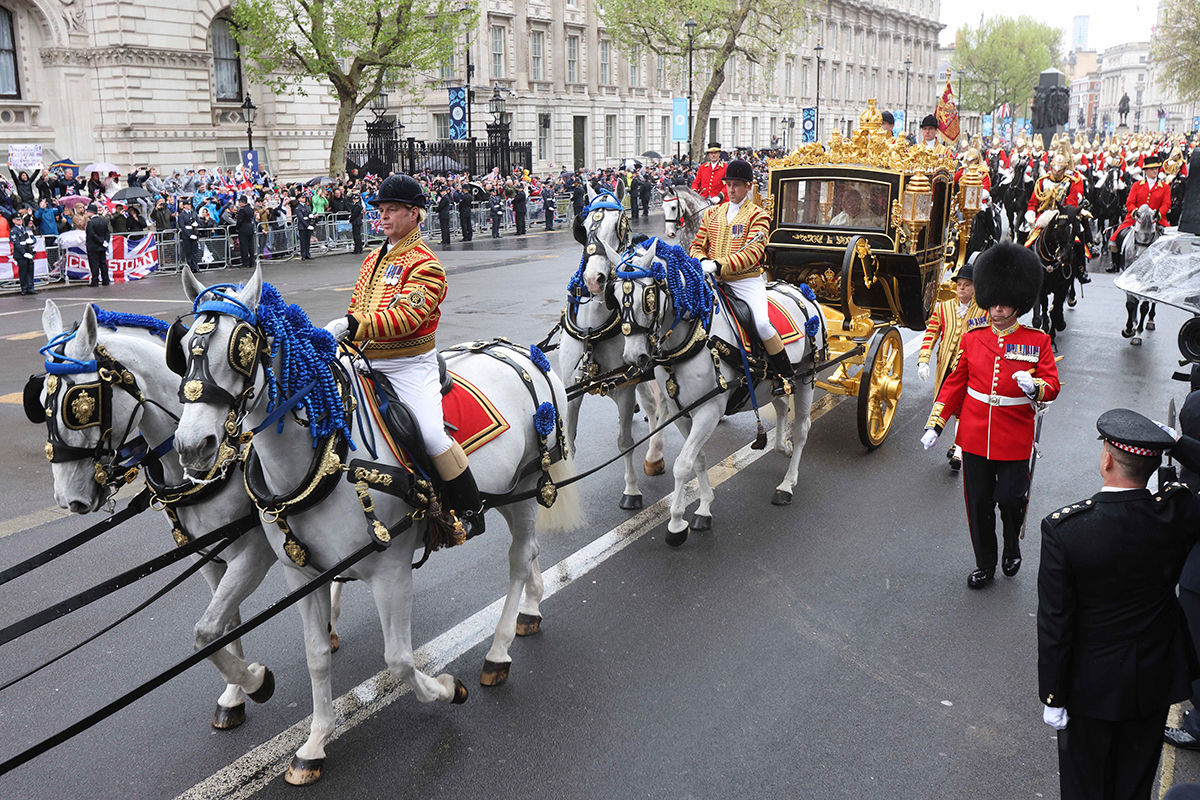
(684, 219)
(245, 354)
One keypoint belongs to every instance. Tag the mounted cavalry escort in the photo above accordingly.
(110, 411)
(683, 209)
(1147, 207)
(254, 363)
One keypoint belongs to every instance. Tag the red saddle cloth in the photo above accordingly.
(472, 419)
(780, 318)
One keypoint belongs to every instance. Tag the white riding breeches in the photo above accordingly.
(415, 379)
(754, 292)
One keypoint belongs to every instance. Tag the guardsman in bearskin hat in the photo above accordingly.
(949, 321)
(1113, 648)
(730, 244)
(393, 317)
(1003, 370)
(1150, 191)
(710, 176)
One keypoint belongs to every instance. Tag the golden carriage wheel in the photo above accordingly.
(880, 386)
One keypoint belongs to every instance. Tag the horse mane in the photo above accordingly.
(684, 276)
(120, 319)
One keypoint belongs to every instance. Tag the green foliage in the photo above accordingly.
(1176, 48)
(1015, 51)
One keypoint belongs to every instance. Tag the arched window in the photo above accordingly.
(8, 56)
(227, 64)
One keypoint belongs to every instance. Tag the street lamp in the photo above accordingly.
(496, 105)
(379, 104)
(818, 49)
(248, 114)
(907, 80)
(691, 29)
(498, 131)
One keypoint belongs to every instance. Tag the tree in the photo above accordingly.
(1016, 51)
(1176, 48)
(359, 46)
(755, 30)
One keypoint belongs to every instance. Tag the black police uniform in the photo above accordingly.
(189, 234)
(549, 204)
(246, 234)
(97, 236)
(463, 201)
(304, 229)
(518, 203)
(444, 208)
(356, 218)
(1113, 646)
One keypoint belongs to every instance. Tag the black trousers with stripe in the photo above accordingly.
(988, 484)
(1103, 760)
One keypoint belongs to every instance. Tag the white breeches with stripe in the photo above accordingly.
(754, 292)
(415, 379)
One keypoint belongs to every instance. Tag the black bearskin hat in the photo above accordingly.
(1007, 274)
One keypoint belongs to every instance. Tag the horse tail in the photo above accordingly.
(566, 514)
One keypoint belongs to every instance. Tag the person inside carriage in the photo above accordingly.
(731, 244)
(1148, 191)
(393, 318)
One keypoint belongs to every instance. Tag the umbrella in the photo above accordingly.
(323, 180)
(632, 161)
(651, 154)
(477, 191)
(130, 193)
(74, 200)
(64, 163)
(439, 163)
(102, 167)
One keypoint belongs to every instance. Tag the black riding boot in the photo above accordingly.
(784, 374)
(465, 499)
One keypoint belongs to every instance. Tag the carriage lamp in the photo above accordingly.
(971, 191)
(918, 201)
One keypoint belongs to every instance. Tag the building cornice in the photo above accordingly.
(123, 55)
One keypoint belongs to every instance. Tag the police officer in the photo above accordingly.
(23, 249)
(549, 204)
(1113, 648)
(356, 218)
(444, 208)
(97, 237)
(304, 227)
(189, 233)
(462, 198)
(519, 200)
(1003, 371)
(246, 231)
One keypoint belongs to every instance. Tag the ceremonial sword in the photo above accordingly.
(1033, 457)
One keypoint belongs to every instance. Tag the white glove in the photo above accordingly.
(1169, 431)
(715, 200)
(1025, 381)
(1030, 217)
(709, 266)
(923, 371)
(340, 328)
(1055, 717)
(929, 438)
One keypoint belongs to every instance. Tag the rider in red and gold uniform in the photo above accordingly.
(394, 315)
(710, 176)
(1148, 191)
(1002, 370)
(1062, 187)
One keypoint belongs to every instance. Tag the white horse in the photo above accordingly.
(683, 210)
(1143, 233)
(245, 561)
(591, 345)
(329, 528)
(686, 374)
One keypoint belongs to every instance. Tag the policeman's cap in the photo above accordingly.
(739, 170)
(930, 121)
(1130, 431)
(400, 188)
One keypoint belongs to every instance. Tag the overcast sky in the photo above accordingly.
(1110, 23)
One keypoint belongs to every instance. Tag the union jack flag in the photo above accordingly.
(130, 258)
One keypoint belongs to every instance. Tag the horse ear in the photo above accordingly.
(253, 291)
(52, 324)
(192, 287)
(84, 343)
(591, 193)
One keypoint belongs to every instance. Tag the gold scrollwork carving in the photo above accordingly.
(192, 391)
(372, 476)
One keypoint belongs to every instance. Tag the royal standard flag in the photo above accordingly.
(947, 113)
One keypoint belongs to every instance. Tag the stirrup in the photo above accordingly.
(782, 386)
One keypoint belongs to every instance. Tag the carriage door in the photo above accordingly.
(580, 139)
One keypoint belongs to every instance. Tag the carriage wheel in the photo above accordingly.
(880, 386)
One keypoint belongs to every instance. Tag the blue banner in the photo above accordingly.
(458, 112)
(899, 127)
(808, 125)
(679, 120)
(250, 161)
(1196, 123)
(987, 124)
(1023, 124)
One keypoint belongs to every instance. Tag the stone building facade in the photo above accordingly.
(159, 83)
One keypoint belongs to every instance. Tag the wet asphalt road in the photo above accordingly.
(826, 649)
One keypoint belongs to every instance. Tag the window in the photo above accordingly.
(497, 51)
(660, 73)
(849, 83)
(875, 84)
(605, 47)
(666, 134)
(833, 82)
(446, 71)
(789, 67)
(610, 135)
(833, 36)
(769, 79)
(441, 125)
(734, 133)
(714, 127)
(535, 55)
(572, 59)
(804, 80)
(754, 131)
(862, 42)
(227, 66)
(639, 134)
(820, 30)
(543, 137)
(751, 74)
(862, 84)
(635, 64)
(732, 73)
(874, 45)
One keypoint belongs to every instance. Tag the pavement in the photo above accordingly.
(825, 649)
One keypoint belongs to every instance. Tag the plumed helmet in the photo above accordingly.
(1058, 162)
(739, 170)
(400, 188)
(1007, 274)
(930, 121)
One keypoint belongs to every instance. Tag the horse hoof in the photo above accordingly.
(334, 643)
(460, 693)
(1127, 333)
(1136, 341)
(226, 719)
(1071, 302)
(653, 468)
(1149, 326)
(676, 539)
(264, 692)
(631, 502)
(493, 674)
(528, 624)
(781, 498)
(700, 523)
(304, 771)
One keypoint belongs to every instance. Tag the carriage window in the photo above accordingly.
(837, 203)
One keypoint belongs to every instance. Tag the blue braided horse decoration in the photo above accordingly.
(297, 371)
(678, 325)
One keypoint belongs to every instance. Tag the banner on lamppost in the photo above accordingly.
(679, 120)
(900, 126)
(808, 125)
(987, 124)
(458, 112)
(250, 162)
(1196, 123)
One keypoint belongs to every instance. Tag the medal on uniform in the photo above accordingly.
(736, 230)
(1022, 352)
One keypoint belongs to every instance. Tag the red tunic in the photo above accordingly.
(709, 179)
(1046, 183)
(1158, 197)
(985, 369)
(987, 181)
